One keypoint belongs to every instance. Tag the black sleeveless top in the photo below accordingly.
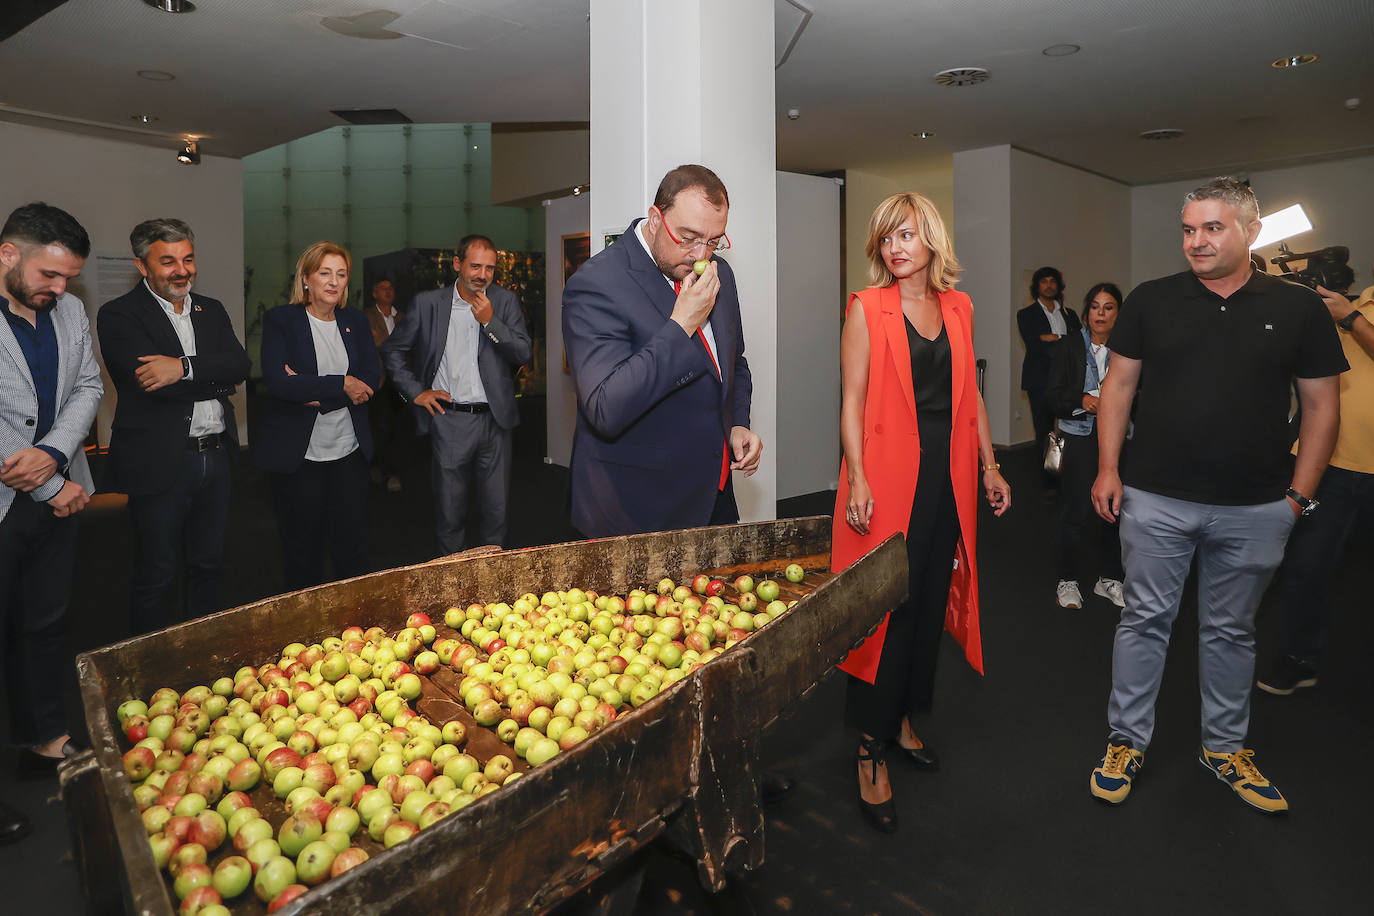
(932, 376)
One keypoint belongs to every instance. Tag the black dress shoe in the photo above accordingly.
(882, 815)
(13, 825)
(922, 758)
(775, 786)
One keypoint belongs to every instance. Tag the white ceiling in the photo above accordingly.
(255, 73)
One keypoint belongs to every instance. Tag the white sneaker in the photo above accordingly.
(1111, 590)
(1068, 594)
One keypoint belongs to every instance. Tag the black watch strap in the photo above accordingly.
(1348, 322)
(186, 367)
(1306, 505)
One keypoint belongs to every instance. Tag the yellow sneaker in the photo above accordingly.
(1239, 771)
(1111, 780)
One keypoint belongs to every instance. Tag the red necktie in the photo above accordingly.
(725, 452)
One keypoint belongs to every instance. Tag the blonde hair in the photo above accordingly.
(310, 261)
(930, 229)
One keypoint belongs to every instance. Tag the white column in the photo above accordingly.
(692, 81)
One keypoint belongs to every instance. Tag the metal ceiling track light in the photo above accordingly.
(172, 6)
(189, 154)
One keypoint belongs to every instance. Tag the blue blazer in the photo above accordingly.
(287, 421)
(652, 416)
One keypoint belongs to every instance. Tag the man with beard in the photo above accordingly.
(657, 354)
(175, 361)
(1041, 325)
(454, 354)
(1215, 351)
(49, 391)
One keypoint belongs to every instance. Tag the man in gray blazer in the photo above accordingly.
(454, 354)
(49, 391)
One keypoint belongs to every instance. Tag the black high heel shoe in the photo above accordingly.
(883, 815)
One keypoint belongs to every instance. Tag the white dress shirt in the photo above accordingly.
(457, 373)
(333, 436)
(207, 417)
(389, 320)
(705, 328)
(1056, 318)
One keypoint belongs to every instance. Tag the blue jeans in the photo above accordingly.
(1238, 549)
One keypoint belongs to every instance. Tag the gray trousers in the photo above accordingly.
(1238, 549)
(472, 453)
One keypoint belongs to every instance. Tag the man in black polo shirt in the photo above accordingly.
(1214, 352)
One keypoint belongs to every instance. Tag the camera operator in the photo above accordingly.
(1345, 495)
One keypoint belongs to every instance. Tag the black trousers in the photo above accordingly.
(322, 499)
(1042, 419)
(1087, 543)
(190, 516)
(1313, 559)
(37, 559)
(911, 646)
(386, 413)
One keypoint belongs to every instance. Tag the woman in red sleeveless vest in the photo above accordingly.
(915, 434)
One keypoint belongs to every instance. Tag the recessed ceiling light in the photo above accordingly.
(923, 134)
(143, 118)
(157, 76)
(1063, 50)
(962, 76)
(1297, 60)
(1161, 133)
(172, 6)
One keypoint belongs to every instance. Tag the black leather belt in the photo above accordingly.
(467, 408)
(203, 443)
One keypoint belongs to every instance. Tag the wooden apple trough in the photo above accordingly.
(685, 765)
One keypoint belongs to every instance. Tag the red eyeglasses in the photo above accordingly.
(717, 244)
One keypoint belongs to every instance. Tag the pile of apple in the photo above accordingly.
(329, 729)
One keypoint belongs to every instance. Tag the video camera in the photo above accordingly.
(1328, 267)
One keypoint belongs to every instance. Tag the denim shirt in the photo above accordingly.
(1082, 425)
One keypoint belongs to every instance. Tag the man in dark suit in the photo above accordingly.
(657, 355)
(175, 360)
(386, 410)
(1041, 324)
(49, 391)
(454, 354)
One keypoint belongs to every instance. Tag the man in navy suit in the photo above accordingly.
(175, 360)
(657, 355)
(49, 391)
(454, 354)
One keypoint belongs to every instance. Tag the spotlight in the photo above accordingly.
(172, 6)
(189, 154)
(1281, 225)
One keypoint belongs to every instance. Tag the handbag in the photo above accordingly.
(1054, 452)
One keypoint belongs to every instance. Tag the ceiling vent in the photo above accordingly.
(371, 115)
(962, 76)
(1163, 133)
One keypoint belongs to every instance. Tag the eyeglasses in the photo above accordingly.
(718, 244)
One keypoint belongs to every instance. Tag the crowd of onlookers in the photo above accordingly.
(1167, 410)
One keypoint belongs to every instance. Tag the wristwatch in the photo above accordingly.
(1308, 506)
(1348, 322)
(186, 367)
